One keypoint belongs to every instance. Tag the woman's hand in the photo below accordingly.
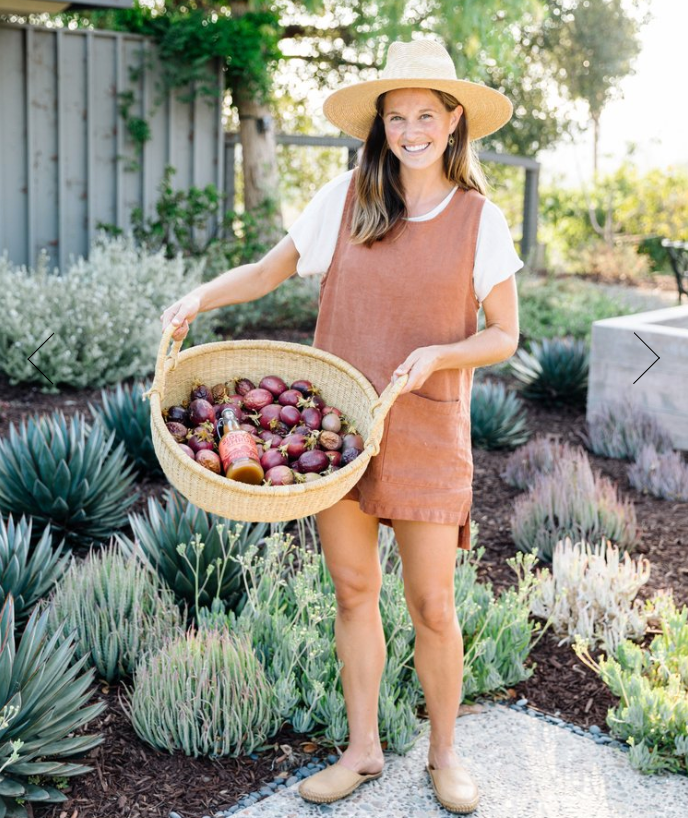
(419, 365)
(181, 314)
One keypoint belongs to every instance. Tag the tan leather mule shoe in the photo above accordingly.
(454, 788)
(332, 783)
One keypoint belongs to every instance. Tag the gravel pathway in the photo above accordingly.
(526, 765)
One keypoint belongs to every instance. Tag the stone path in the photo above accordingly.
(525, 767)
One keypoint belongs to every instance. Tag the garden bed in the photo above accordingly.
(132, 779)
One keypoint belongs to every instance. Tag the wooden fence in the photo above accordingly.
(66, 159)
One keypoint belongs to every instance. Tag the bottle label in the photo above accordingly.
(237, 445)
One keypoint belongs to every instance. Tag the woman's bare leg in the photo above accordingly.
(349, 543)
(428, 553)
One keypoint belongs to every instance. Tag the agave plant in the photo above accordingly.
(27, 573)
(554, 371)
(620, 428)
(68, 475)
(43, 696)
(184, 570)
(118, 608)
(498, 418)
(128, 416)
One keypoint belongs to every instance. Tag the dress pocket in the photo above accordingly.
(426, 443)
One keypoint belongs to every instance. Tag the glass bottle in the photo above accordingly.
(238, 451)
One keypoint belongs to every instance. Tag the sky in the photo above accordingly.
(653, 112)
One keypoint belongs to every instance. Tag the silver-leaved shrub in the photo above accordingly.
(621, 428)
(290, 614)
(590, 592)
(572, 501)
(103, 312)
(118, 607)
(538, 456)
(204, 693)
(661, 474)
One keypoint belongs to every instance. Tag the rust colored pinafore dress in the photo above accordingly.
(412, 289)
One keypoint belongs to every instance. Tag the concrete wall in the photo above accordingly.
(618, 359)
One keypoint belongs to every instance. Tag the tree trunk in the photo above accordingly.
(259, 153)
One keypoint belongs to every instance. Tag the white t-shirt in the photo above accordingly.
(315, 234)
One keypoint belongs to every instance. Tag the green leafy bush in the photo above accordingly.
(555, 371)
(104, 314)
(27, 572)
(191, 570)
(204, 693)
(621, 428)
(118, 608)
(573, 502)
(652, 685)
(551, 307)
(538, 456)
(68, 475)
(43, 702)
(290, 615)
(293, 305)
(498, 417)
(123, 412)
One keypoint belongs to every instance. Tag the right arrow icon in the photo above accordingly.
(652, 364)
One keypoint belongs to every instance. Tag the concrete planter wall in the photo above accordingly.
(618, 358)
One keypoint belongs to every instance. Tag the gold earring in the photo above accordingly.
(451, 140)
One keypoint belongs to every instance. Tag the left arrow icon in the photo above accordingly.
(35, 351)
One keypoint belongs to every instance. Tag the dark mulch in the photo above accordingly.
(131, 779)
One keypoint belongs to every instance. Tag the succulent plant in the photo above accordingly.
(67, 475)
(26, 572)
(498, 418)
(204, 693)
(554, 371)
(128, 416)
(620, 428)
(591, 592)
(165, 528)
(43, 702)
(573, 502)
(538, 456)
(118, 608)
(663, 475)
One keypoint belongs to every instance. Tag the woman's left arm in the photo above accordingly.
(497, 342)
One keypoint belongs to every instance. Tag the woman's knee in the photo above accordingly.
(355, 592)
(434, 611)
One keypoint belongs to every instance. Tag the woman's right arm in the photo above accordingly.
(236, 286)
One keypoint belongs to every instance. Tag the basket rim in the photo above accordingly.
(278, 346)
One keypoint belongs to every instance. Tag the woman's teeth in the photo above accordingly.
(416, 148)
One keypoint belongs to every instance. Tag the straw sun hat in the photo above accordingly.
(418, 64)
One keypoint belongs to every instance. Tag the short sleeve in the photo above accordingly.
(315, 231)
(495, 255)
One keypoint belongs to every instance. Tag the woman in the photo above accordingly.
(409, 247)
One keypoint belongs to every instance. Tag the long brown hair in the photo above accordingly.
(379, 194)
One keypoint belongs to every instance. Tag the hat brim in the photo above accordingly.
(352, 109)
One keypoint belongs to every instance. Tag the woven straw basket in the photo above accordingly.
(341, 385)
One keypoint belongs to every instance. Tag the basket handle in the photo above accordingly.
(379, 410)
(164, 364)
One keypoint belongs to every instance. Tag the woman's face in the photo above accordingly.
(414, 117)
